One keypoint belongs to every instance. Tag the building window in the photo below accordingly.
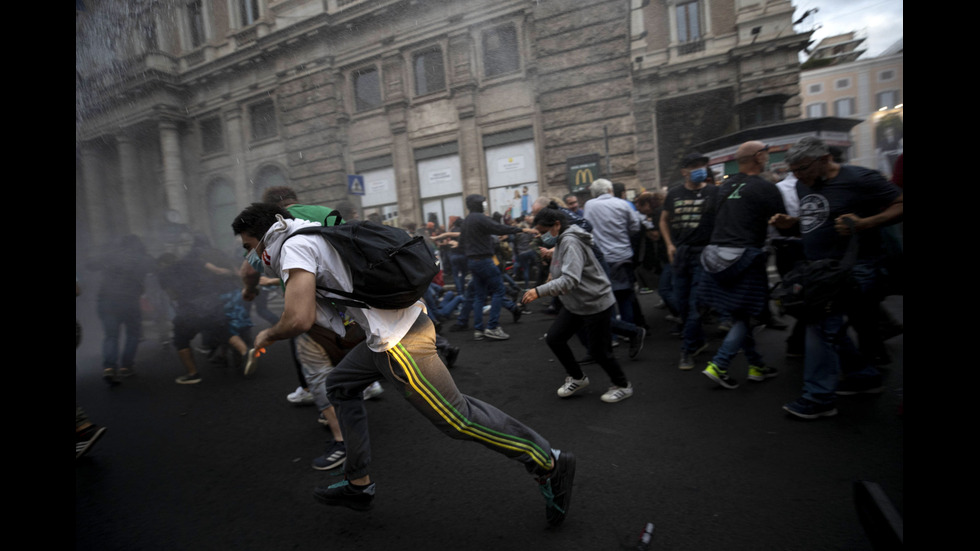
(212, 135)
(842, 83)
(887, 100)
(844, 107)
(367, 89)
(886, 75)
(429, 73)
(814, 89)
(249, 11)
(195, 23)
(816, 110)
(263, 119)
(688, 22)
(500, 52)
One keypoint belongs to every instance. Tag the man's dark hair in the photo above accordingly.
(278, 194)
(257, 218)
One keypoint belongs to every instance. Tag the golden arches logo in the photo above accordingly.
(583, 176)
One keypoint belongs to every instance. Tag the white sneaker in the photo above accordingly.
(372, 391)
(300, 396)
(618, 393)
(572, 386)
(496, 333)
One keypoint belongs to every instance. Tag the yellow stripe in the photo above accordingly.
(445, 410)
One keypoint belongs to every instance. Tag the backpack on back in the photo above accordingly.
(389, 269)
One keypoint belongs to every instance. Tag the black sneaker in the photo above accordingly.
(86, 438)
(335, 457)
(636, 342)
(557, 488)
(458, 327)
(346, 494)
(516, 311)
(859, 385)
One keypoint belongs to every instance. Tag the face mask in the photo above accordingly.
(549, 240)
(699, 175)
(254, 261)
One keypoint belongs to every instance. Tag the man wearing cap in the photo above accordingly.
(477, 236)
(686, 224)
(735, 279)
(831, 194)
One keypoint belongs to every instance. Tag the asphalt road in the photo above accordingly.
(225, 464)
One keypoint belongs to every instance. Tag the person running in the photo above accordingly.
(588, 301)
(401, 348)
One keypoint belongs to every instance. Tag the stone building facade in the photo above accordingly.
(186, 111)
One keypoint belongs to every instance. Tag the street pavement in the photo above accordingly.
(225, 464)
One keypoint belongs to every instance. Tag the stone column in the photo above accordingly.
(462, 82)
(130, 186)
(98, 218)
(244, 193)
(173, 170)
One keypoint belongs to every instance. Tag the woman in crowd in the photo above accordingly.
(587, 301)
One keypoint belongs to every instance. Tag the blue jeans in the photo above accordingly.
(114, 317)
(458, 264)
(830, 354)
(486, 280)
(686, 293)
(739, 337)
(525, 266)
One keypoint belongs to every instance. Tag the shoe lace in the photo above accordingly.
(549, 496)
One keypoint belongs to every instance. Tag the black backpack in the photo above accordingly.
(815, 288)
(389, 269)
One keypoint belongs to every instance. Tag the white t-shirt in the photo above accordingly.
(312, 253)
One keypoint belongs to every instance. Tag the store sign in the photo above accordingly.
(582, 171)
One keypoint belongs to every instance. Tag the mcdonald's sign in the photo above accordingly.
(582, 170)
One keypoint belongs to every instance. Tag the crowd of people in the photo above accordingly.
(705, 245)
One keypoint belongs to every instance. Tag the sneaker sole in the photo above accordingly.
(875, 390)
(333, 465)
(573, 392)
(759, 378)
(250, 363)
(719, 380)
(828, 413)
(343, 503)
(618, 398)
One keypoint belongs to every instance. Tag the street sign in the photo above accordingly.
(355, 184)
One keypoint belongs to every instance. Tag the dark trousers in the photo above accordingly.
(597, 329)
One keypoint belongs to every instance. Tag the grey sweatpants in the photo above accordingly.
(415, 369)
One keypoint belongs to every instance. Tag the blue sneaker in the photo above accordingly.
(808, 409)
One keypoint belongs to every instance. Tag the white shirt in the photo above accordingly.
(312, 253)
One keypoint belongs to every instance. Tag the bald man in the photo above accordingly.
(735, 263)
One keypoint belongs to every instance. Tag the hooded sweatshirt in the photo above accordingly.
(312, 253)
(577, 276)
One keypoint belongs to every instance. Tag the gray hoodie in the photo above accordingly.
(576, 275)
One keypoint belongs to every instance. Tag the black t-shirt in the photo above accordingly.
(856, 190)
(744, 205)
(691, 217)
